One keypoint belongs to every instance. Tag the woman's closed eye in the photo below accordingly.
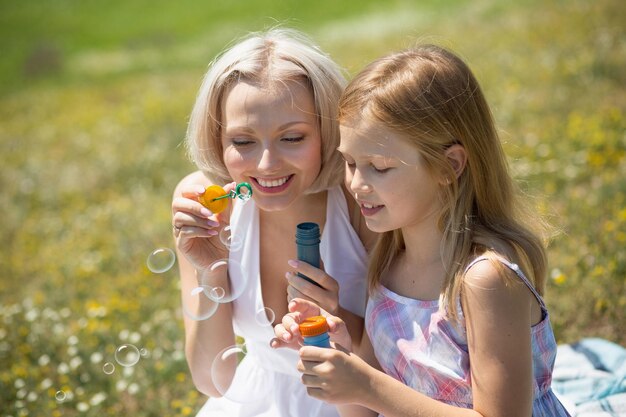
(237, 142)
(293, 139)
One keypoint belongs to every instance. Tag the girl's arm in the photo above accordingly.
(498, 316)
(196, 249)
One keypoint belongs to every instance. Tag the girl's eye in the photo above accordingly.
(381, 170)
(293, 139)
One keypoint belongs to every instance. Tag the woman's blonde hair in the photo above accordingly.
(430, 97)
(271, 59)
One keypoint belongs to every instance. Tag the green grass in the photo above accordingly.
(94, 99)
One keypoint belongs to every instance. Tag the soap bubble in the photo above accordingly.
(143, 352)
(199, 305)
(265, 316)
(60, 396)
(231, 240)
(216, 279)
(231, 371)
(161, 260)
(127, 355)
(108, 368)
(217, 293)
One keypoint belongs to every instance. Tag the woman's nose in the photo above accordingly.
(267, 160)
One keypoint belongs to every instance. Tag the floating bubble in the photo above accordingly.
(143, 352)
(231, 371)
(217, 293)
(161, 260)
(60, 396)
(127, 355)
(108, 368)
(265, 317)
(233, 241)
(216, 279)
(199, 305)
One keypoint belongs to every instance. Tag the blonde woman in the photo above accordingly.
(266, 115)
(455, 318)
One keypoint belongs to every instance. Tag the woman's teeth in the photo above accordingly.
(272, 183)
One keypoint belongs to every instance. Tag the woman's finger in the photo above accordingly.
(315, 274)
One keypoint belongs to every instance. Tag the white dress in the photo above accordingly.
(267, 379)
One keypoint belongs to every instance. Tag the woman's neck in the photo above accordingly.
(309, 207)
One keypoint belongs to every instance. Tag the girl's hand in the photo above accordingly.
(326, 295)
(195, 227)
(288, 332)
(335, 376)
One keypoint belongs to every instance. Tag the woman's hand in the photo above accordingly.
(195, 227)
(288, 331)
(326, 295)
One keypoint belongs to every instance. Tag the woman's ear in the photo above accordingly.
(457, 157)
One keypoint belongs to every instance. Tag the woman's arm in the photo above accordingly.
(196, 247)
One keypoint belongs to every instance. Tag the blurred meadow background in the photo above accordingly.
(94, 101)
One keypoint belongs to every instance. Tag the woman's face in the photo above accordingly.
(271, 140)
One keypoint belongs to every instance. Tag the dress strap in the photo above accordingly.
(518, 271)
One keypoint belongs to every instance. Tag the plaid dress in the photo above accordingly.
(416, 343)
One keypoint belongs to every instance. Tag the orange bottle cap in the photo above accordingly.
(313, 326)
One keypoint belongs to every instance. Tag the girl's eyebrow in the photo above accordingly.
(369, 155)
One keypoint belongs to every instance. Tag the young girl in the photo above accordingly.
(265, 115)
(455, 316)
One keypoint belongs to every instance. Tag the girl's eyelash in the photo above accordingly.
(381, 170)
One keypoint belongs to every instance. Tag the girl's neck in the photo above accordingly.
(423, 244)
(418, 272)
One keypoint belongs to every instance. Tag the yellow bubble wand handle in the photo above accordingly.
(215, 198)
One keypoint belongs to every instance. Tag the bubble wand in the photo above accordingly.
(215, 198)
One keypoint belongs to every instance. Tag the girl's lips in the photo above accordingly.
(268, 189)
(370, 210)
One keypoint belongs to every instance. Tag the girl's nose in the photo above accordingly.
(357, 182)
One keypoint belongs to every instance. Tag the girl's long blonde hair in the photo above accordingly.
(430, 97)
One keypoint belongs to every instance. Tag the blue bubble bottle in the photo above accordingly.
(314, 330)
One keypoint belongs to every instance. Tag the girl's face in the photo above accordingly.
(271, 139)
(388, 178)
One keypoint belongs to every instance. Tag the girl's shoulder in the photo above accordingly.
(491, 269)
(495, 284)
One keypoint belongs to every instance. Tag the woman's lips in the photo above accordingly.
(272, 185)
